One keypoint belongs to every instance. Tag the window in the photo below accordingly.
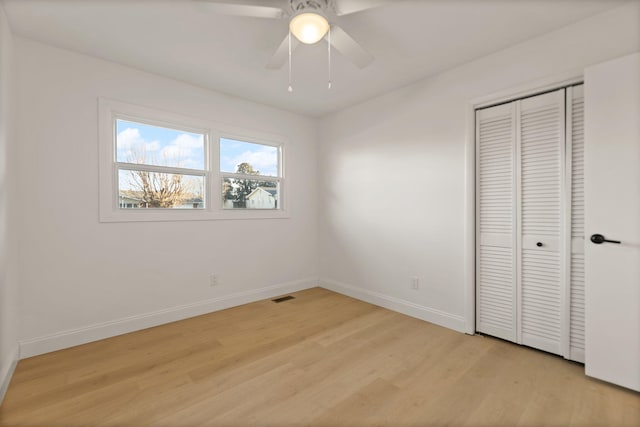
(159, 166)
(250, 175)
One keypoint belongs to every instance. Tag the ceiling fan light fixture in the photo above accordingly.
(309, 27)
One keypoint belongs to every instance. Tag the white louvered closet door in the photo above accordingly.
(541, 196)
(530, 222)
(496, 221)
(575, 157)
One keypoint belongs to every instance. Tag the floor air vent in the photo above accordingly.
(282, 299)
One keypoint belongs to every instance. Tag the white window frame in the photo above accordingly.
(110, 110)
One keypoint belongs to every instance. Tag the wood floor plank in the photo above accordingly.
(321, 360)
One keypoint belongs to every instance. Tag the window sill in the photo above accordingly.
(148, 215)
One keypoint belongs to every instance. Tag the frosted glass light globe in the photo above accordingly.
(308, 27)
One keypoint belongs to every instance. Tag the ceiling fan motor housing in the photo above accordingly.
(315, 6)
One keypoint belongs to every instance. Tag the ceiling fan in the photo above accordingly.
(309, 21)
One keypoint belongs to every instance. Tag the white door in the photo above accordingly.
(574, 346)
(541, 198)
(521, 261)
(496, 221)
(612, 200)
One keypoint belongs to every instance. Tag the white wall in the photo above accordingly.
(393, 170)
(82, 279)
(8, 284)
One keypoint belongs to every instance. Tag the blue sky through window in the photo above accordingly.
(154, 145)
(263, 158)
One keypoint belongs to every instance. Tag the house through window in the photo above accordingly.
(250, 175)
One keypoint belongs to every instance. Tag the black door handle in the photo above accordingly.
(599, 238)
(539, 244)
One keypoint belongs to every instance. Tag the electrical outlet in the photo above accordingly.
(213, 280)
(415, 283)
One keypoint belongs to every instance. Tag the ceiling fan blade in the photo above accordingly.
(345, 7)
(281, 55)
(244, 8)
(350, 48)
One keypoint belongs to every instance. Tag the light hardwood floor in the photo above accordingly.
(321, 359)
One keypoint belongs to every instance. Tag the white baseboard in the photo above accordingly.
(6, 372)
(448, 320)
(73, 337)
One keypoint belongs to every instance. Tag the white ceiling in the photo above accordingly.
(184, 40)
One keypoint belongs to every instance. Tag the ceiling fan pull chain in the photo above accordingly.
(290, 89)
(329, 55)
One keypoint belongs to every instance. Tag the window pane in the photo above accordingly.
(141, 189)
(249, 194)
(153, 145)
(248, 158)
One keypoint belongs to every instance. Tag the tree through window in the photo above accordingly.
(159, 167)
(251, 175)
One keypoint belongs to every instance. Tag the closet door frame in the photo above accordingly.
(497, 97)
